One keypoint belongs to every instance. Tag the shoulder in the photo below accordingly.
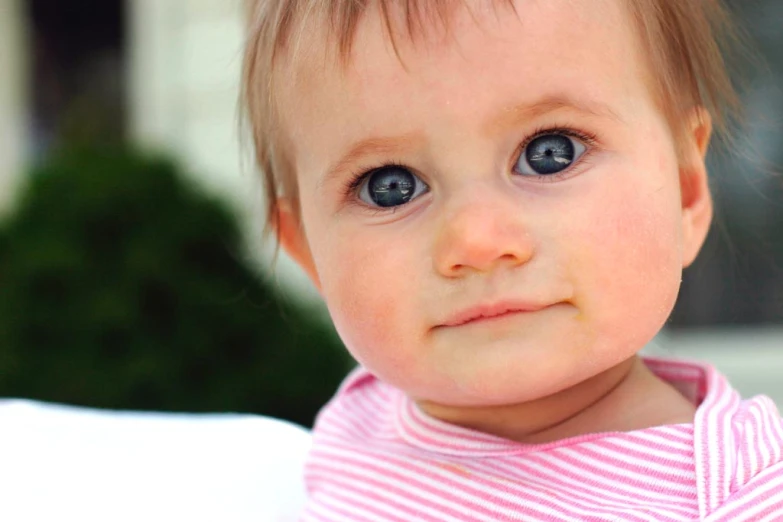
(739, 453)
(363, 407)
(738, 444)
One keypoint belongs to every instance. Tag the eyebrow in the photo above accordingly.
(508, 117)
(383, 146)
(516, 113)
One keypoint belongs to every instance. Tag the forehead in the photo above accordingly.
(492, 57)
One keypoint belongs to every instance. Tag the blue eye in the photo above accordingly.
(391, 187)
(549, 154)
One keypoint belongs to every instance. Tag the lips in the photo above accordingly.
(491, 311)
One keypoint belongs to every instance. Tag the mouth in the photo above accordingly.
(492, 312)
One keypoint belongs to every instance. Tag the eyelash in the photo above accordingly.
(588, 138)
(358, 177)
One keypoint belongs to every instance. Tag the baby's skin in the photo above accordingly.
(495, 215)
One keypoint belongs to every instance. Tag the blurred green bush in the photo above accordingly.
(121, 287)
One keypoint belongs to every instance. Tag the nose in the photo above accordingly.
(481, 232)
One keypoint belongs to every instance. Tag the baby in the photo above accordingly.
(496, 200)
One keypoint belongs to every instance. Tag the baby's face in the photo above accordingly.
(520, 225)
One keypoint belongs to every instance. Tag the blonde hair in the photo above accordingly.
(687, 42)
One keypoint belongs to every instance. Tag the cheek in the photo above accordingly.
(369, 290)
(634, 239)
(629, 258)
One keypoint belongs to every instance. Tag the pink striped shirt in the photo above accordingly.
(377, 457)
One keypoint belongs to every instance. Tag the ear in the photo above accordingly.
(292, 237)
(694, 187)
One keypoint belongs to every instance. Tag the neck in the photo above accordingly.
(623, 398)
